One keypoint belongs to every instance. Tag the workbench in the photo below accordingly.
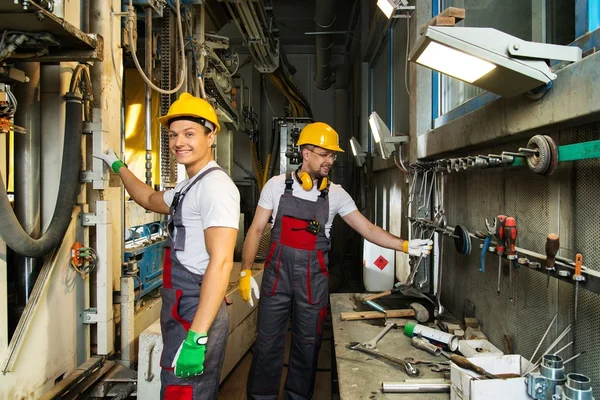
(360, 375)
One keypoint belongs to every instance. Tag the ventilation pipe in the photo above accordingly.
(342, 122)
(325, 17)
(27, 178)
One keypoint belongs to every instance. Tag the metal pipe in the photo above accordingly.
(255, 21)
(405, 387)
(324, 17)
(202, 40)
(148, 65)
(27, 177)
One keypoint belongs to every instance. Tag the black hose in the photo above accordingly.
(291, 69)
(11, 231)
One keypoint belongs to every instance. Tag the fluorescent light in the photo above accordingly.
(354, 152)
(387, 7)
(490, 59)
(357, 152)
(454, 63)
(374, 128)
(381, 135)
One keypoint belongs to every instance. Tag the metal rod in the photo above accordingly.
(330, 33)
(573, 358)
(541, 341)
(148, 104)
(405, 387)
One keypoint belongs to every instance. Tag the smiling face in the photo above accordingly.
(191, 145)
(317, 161)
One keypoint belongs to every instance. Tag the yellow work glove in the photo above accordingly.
(247, 286)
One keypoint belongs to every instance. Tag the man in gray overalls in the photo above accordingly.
(205, 213)
(295, 279)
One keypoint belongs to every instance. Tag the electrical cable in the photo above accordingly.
(130, 22)
(400, 167)
(406, 58)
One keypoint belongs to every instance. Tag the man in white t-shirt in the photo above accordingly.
(303, 204)
(204, 216)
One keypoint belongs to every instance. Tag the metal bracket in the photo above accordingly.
(544, 51)
(96, 175)
(89, 219)
(90, 316)
(396, 139)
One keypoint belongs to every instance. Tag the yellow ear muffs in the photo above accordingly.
(323, 182)
(305, 180)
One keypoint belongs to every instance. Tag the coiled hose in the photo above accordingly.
(11, 231)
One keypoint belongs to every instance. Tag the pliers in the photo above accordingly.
(491, 231)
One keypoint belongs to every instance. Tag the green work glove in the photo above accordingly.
(189, 360)
(111, 159)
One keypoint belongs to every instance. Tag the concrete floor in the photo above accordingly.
(234, 386)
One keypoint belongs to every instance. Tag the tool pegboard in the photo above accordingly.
(586, 216)
(525, 312)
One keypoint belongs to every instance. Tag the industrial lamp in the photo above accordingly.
(389, 7)
(490, 59)
(357, 152)
(383, 137)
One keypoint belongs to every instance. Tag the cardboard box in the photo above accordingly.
(465, 387)
(469, 348)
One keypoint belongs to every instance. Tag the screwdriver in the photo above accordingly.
(510, 232)
(577, 277)
(552, 246)
(466, 364)
(501, 219)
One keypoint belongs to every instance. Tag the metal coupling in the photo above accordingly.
(424, 344)
(578, 387)
(546, 383)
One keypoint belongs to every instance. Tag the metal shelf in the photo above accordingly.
(70, 43)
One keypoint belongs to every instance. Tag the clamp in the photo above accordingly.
(491, 231)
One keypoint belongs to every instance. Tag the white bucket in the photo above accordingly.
(378, 267)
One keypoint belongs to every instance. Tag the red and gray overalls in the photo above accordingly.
(180, 296)
(295, 282)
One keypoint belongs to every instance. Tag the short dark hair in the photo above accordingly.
(199, 121)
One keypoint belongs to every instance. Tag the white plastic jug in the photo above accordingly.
(379, 265)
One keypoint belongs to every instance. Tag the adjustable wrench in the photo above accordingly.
(407, 367)
(372, 344)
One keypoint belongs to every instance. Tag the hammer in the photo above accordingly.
(416, 311)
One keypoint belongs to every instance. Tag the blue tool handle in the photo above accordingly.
(484, 250)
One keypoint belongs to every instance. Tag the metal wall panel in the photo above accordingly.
(587, 241)
(523, 312)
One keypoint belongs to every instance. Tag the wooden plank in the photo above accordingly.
(359, 315)
(458, 13)
(438, 21)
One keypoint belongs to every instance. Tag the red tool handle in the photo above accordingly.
(510, 230)
(500, 221)
(578, 262)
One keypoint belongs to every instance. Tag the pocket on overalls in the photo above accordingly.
(318, 278)
(179, 392)
(174, 325)
(271, 272)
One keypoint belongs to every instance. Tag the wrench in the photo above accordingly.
(428, 363)
(372, 344)
(407, 367)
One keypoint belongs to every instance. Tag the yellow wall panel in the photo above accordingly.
(135, 127)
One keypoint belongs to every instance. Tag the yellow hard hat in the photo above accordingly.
(320, 134)
(194, 107)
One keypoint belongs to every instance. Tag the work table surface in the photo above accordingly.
(360, 375)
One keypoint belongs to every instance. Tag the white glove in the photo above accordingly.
(111, 159)
(247, 286)
(418, 247)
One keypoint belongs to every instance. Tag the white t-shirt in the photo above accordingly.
(340, 201)
(214, 201)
